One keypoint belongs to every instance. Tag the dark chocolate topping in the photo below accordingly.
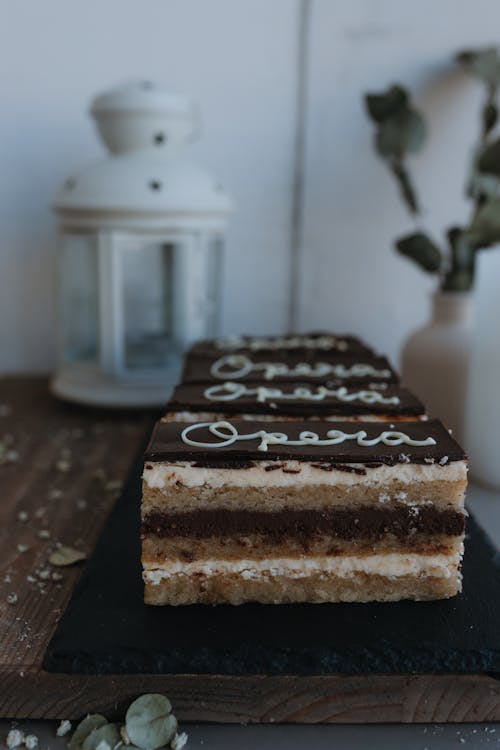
(191, 397)
(166, 444)
(359, 523)
(292, 343)
(199, 369)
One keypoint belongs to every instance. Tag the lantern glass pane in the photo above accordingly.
(79, 298)
(214, 285)
(147, 298)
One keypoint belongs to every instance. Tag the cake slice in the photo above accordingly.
(296, 511)
(265, 401)
(288, 367)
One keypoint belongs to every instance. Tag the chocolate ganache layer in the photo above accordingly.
(279, 367)
(300, 399)
(239, 443)
(362, 523)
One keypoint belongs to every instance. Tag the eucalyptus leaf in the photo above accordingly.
(462, 253)
(460, 275)
(422, 250)
(400, 134)
(490, 117)
(382, 106)
(405, 185)
(489, 159)
(484, 229)
(483, 63)
(458, 281)
(483, 186)
(453, 234)
(149, 722)
(465, 57)
(110, 733)
(84, 728)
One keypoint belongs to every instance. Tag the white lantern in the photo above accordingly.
(142, 236)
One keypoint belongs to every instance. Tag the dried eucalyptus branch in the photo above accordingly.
(400, 131)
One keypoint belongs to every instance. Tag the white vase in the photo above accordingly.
(482, 424)
(434, 359)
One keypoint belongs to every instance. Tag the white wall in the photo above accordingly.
(351, 276)
(239, 59)
(236, 59)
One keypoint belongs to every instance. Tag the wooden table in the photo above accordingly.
(63, 466)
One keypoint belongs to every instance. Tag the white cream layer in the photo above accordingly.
(391, 565)
(159, 475)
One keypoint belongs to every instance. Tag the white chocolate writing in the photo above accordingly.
(239, 366)
(255, 344)
(233, 391)
(227, 434)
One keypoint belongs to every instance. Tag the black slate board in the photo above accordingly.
(107, 629)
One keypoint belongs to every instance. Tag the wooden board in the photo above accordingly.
(107, 628)
(102, 446)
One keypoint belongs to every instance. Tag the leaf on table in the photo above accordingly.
(84, 728)
(65, 556)
(149, 721)
(108, 733)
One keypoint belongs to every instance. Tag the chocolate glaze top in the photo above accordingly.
(247, 368)
(192, 397)
(166, 444)
(315, 342)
